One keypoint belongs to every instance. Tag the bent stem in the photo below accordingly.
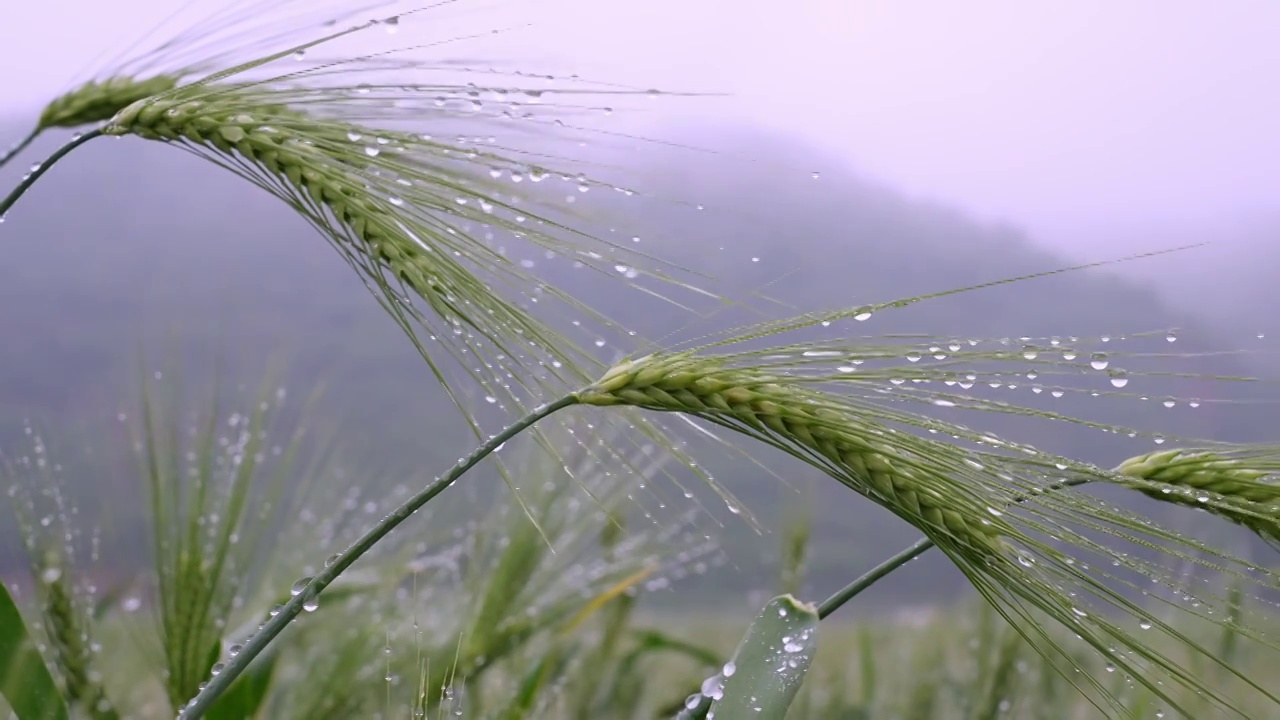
(259, 640)
(19, 146)
(868, 579)
(30, 178)
(847, 593)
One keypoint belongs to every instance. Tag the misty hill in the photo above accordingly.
(127, 240)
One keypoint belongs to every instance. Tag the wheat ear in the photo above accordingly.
(69, 638)
(1239, 489)
(99, 101)
(795, 418)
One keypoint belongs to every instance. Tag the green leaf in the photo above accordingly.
(25, 681)
(767, 669)
(770, 664)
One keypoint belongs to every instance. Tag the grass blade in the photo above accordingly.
(25, 681)
(769, 665)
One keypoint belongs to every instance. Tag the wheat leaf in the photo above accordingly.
(25, 680)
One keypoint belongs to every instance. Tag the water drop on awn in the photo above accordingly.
(1119, 378)
(1172, 336)
(1099, 361)
(299, 54)
(1030, 352)
(372, 151)
(51, 575)
(300, 585)
(729, 669)
(311, 604)
(862, 316)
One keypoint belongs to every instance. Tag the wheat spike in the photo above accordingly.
(100, 100)
(67, 634)
(1237, 489)
(854, 451)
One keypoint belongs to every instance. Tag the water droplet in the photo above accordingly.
(1144, 625)
(1172, 336)
(1099, 361)
(729, 669)
(1029, 352)
(51, 575)
(300, 585)
(1119, 378)
(372, 151)
(862, 316)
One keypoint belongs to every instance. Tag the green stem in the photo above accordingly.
(847, 593)
(19, 146)
(236, 665)
(34, 175)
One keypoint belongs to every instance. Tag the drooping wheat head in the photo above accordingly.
(915, 482)
(1241, 486)
(189, 45)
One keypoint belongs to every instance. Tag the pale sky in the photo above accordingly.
(1091, 123)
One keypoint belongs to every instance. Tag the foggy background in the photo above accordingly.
(951, 145)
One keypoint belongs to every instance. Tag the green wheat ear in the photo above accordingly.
(222, 39)
(98, 101)
(1238, 486)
